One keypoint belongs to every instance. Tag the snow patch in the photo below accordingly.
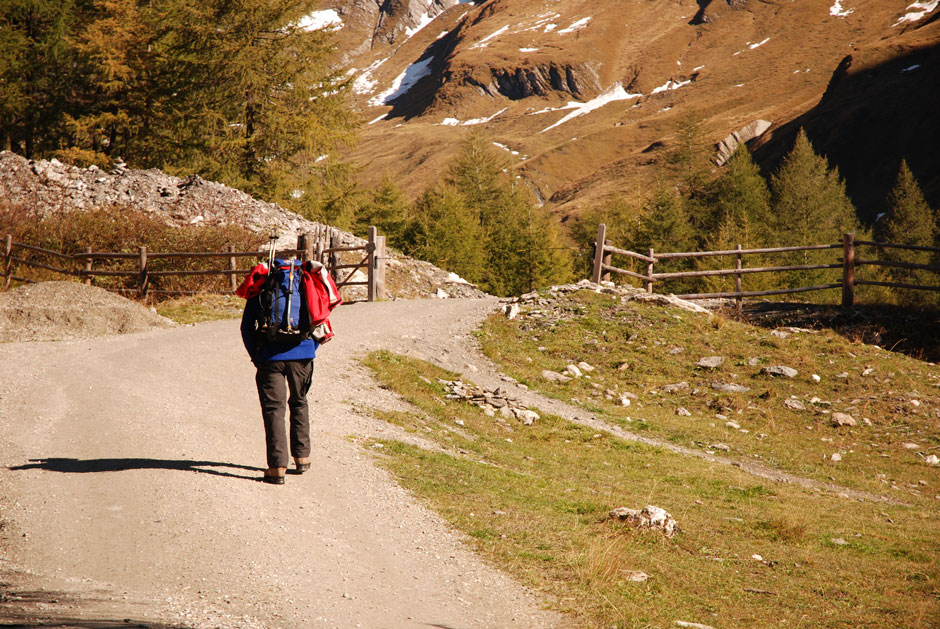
(453, 122)
(670, 85)
(575, 26)
(377, 119)
(364, 83)
(614, 93)
(921, 9)
(403, 82)
(909, 68)
(528, 49)
(320, 19)
(483, 41)
(836, 10)
(759, 44)
(550, 27)
(450, 122)
(456, 279)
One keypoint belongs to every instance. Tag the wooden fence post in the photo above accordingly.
(599, 253)
(848, 270)
(89, 261)
(370, 292)
(380, 267)
(738, 300)
(335, 243)
(308, 246)
(605, 276)
(649, 273)
(142, 265)
(232, 266)
(8, 267)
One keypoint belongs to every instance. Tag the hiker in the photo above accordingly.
(284, 322)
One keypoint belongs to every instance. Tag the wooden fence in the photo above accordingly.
(323, 245)
(604, 251)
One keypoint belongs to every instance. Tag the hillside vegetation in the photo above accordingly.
(849, 539)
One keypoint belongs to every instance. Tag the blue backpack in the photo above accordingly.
(284, 316)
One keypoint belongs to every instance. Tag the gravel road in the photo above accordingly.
(130, 493)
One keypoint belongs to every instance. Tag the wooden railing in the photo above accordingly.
(604, 251)
(322, 245)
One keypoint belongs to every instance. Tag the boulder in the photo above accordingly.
(778, 371)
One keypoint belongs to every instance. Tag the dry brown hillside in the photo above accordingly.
(579, 92)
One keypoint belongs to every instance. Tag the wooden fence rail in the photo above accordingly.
(604, 250)
(322, 245)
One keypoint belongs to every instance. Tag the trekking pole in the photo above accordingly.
(272, 246)
(290, 293)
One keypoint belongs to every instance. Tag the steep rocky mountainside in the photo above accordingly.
(47, 187)
(582, 94)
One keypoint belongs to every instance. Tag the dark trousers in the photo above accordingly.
(272, 392)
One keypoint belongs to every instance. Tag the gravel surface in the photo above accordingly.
(51, 311)
(129, 488)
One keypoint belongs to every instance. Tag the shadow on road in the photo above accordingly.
(84, 466)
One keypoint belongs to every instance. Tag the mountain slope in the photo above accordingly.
(574, 91)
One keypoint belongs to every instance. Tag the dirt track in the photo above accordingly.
(129, 470)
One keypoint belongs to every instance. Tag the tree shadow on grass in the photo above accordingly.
(86, 466)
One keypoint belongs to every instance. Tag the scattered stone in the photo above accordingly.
(815, 377)
(844, 374)
(491, 401)
(932, 459)
(838, 541)
(720, 446)
(780, 334)
(649, 517)
(867, 421)
(624, 400)
(441, 294)
(623, 366)
(868, 371)
(554, 376)
(583, 366)
(779, 370)
(836, 457)
(794, 405)
(684, 412)
(679, 387)
(733, 425)
(727, 387)
(842, 419)
(635, 575)
(692, 625)
(909, 445)
(573, 371)
(757, 558)
(512, 311)
(676, 350)
(710, 362)
(721, 416)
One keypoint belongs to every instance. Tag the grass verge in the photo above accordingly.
(749, 553)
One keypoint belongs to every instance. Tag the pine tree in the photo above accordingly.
(622, 219)
(910, 221)
(387, 210)
(447, 233)
(37, 71)
(810, 207)
(666, 228)
(479, 172)
(739, 203)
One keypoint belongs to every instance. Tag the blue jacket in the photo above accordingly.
(268, 352)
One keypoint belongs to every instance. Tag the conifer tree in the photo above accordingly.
(478, 172)
(623, 220)
(810, 207)
(37, 71)
(739, 203)
(910, 221)
(387, 210)
(447, 233)
(667, 228)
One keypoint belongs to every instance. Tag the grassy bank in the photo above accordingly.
(750, 552)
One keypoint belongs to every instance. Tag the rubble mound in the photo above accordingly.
(51, 311)
(50, 187)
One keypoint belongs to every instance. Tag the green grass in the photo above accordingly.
(535, 499)
(199, 308)
(899, 395)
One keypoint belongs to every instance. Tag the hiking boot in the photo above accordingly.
(303, 464)
(275, 475)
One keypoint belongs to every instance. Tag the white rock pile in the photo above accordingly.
(649, 517)
(492, 401)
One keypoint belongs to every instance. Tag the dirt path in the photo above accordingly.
(128, 479)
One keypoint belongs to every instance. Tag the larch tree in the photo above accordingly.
(810, 207)
(909, 221)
